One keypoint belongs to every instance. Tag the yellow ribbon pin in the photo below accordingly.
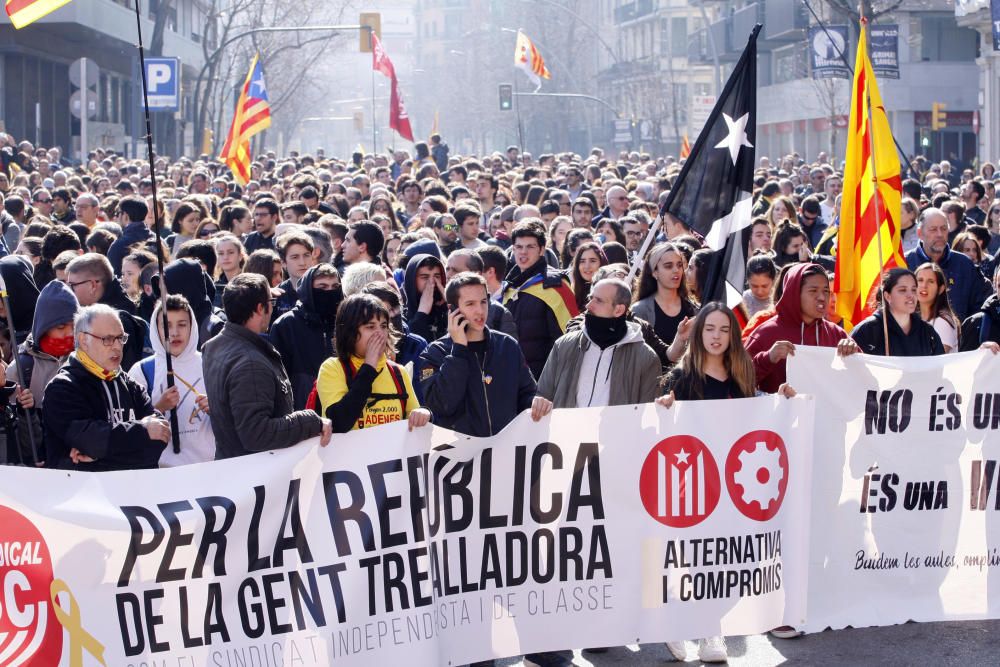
(79, 639)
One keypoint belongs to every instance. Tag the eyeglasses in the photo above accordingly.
(108, 341)
(43, 201)
(81, 282)
(449, 228)
(208, 231)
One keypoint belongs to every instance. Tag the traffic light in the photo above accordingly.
(506, 96)
(374, 21)
(359, 120)
(939, 117)
(925, 137)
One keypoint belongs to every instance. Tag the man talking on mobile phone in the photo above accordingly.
(475, 380)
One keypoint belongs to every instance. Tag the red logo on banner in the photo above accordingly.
(29, 631)
(679, 482)
(757, 474)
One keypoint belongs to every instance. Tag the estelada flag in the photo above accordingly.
(685, 147)
(253, 115)
(399, 120)
(23, 12)
(869, 215)
(528, 58)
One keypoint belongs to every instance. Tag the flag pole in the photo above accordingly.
(175, 435)
(875, 194)
(517, 112)
(371, 45)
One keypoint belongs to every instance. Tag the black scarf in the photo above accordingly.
(605, 331)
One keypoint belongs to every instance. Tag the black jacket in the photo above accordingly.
(982, 327)
(100, 418)
(304, 340)
(250, 395)
(257, 241)
(457, 392)
(538, 328)
(136, 328)
(135, 232)
(21, 292)
(922, 341)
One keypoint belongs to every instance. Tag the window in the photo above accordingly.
(940, 39)
(678, 36)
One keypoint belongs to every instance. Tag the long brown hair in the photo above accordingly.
(647, 281)
(738, 363)
(581, 288)
(941, 306)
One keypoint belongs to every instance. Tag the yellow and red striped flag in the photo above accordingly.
(528, 58)
(23, 12)
(253, 115)
(870, 206)
(685, 147)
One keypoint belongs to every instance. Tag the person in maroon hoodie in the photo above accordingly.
(800, 320)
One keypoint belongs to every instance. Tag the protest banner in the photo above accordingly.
(904, 487)
(593, 527)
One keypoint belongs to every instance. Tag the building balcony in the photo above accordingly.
(784, 21)
(630, 11)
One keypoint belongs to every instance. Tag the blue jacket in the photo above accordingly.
(967, 288)
(474, 400)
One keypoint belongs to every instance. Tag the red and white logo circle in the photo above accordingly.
(679, 482)
(757, 474)
(29, 631)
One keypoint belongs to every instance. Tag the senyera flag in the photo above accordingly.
(528, 58)
(868, 240)
(253, 115)
(23, 12)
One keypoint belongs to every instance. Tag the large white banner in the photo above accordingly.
(591, 528)
(905, 487)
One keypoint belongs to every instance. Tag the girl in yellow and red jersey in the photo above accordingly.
(361, 387)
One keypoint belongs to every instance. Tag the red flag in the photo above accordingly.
(399, 120)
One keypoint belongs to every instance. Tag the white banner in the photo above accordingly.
(591, 528)
(904, 487)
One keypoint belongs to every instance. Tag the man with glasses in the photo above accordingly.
(811, 220)
(265, 220)
(92, 280)
(96, 417)
(87, 209)
(446, 228)
(617, 205)
(41, 200)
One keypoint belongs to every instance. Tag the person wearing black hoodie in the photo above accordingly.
(423, 285)
(22, 293)
(304, 335)
(187, 278)
(92, 280)
(96, 417)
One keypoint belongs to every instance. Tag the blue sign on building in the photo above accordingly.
(163, 79)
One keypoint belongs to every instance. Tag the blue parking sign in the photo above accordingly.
(163, 81)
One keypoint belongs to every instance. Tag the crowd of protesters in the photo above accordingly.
(330, 295)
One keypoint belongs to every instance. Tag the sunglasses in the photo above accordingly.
(208, 231)
(449, 227)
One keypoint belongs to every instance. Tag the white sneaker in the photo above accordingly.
(678, 650)
(712, 649)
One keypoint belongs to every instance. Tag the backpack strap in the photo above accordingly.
(348, 371)
(147, 366)
(398, 381)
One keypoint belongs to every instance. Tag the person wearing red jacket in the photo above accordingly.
(800, 320)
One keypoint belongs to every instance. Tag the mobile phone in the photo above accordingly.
(454, 309)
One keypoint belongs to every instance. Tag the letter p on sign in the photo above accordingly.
(159, 73)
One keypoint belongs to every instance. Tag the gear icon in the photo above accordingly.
(760, 475)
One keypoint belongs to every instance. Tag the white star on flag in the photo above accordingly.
(682, 457)
(737, 137)
(261, 87)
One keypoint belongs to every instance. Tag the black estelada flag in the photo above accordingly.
(712, 193)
